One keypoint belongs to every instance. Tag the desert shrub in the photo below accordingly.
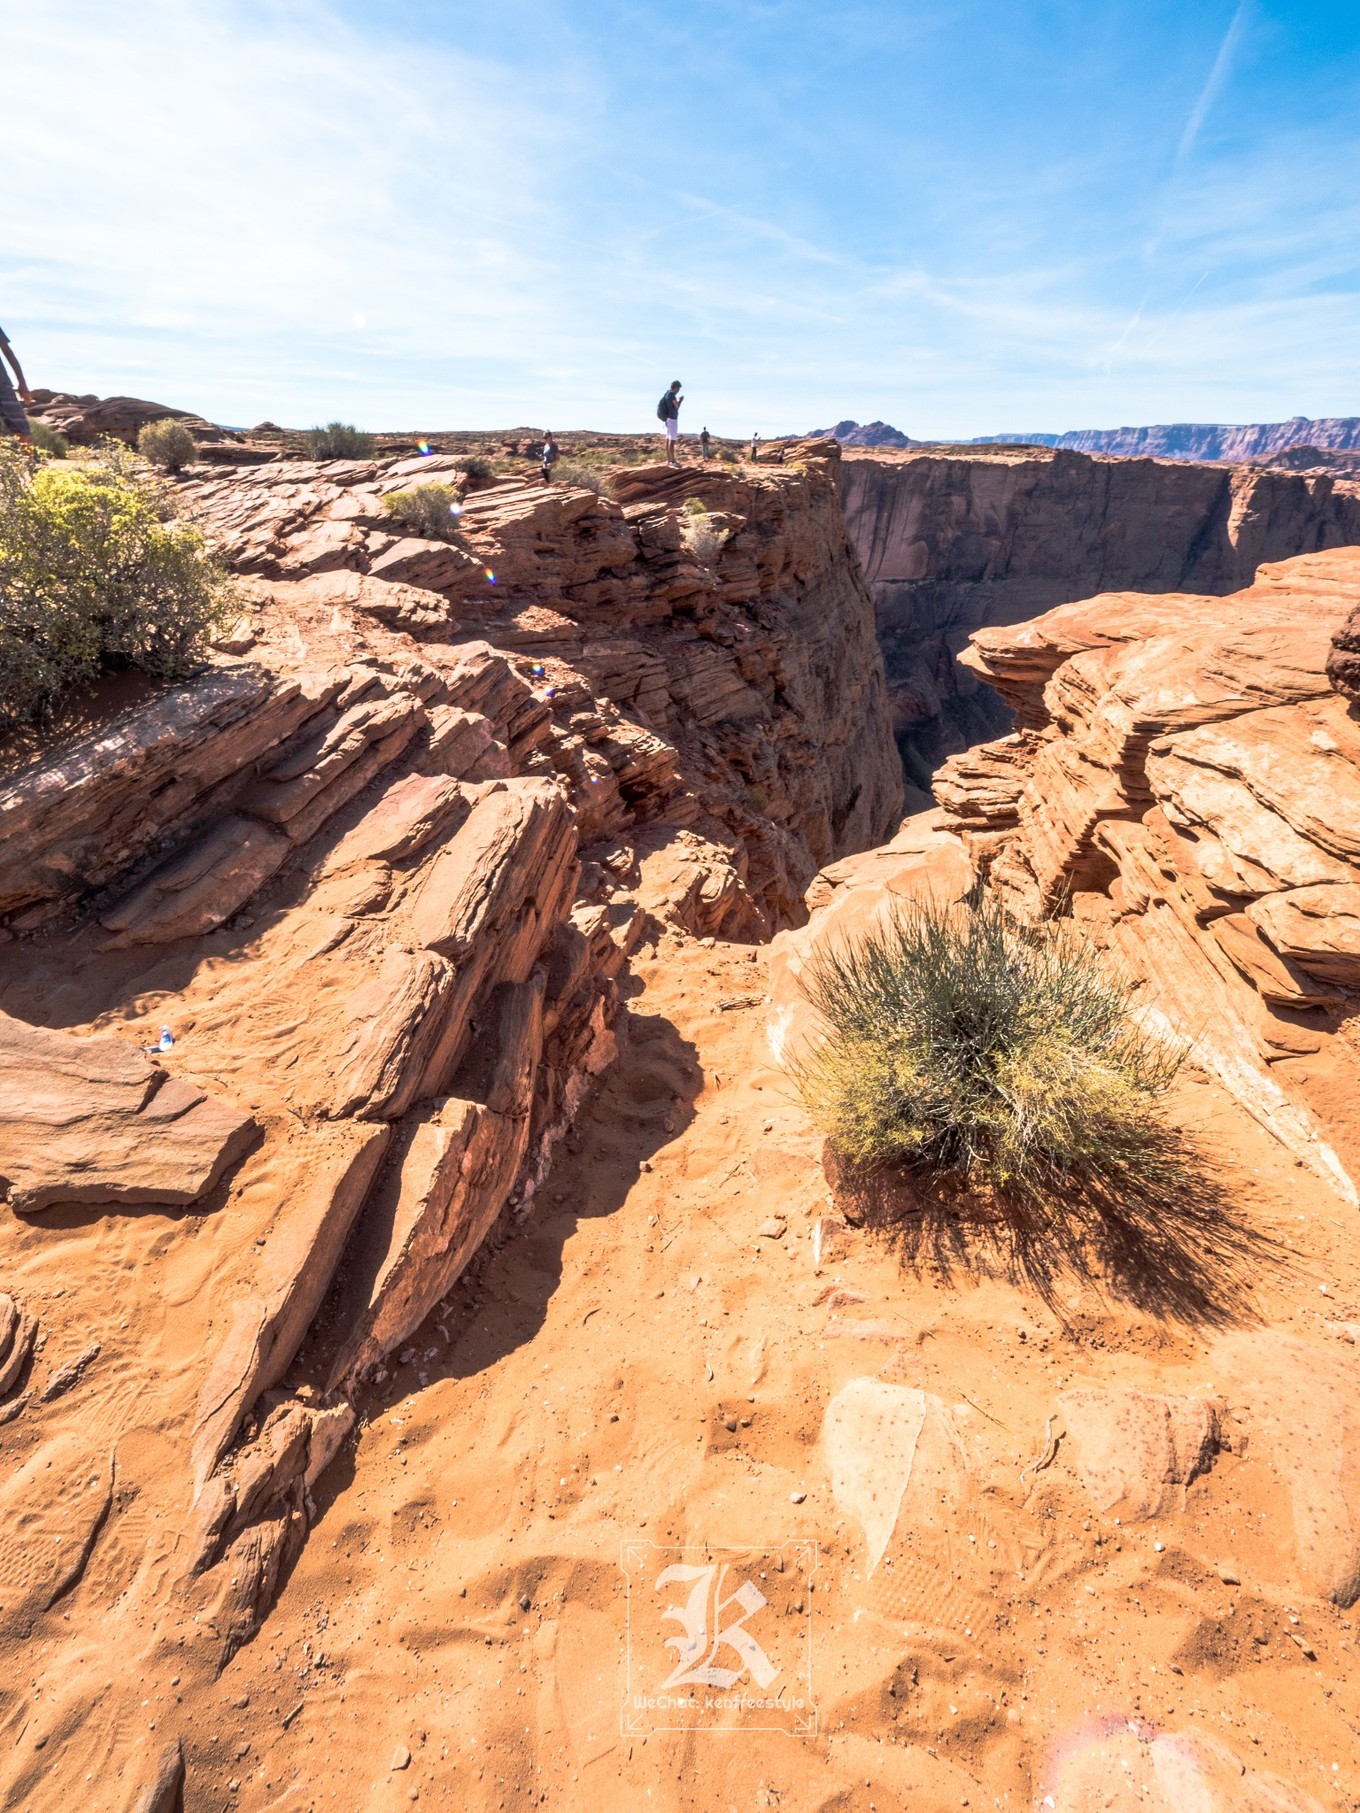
(426, 510)
(48, 441)
(167, 444)
(476, 465)
(339, 441)
(701, 535)
(94, 571)
(576, 472)
(963, 1047)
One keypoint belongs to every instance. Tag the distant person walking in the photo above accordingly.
(703, 445)
(12, 415)
(755, 448)
(668, 414)
(551, 454)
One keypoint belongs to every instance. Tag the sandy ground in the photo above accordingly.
(640, 1371)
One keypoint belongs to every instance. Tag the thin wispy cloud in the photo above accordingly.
(1213, 87)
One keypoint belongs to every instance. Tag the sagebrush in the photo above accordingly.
(95, 571)
(339, 441)
(476, 465)
(1002, 1060)
(48, 441)
(425, 510)
(167, 444)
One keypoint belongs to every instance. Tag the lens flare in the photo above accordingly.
(422, 446)
(490, 577)
(455, 509)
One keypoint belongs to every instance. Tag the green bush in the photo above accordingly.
(339, 441)
(425, 510)
(95, 571)
(48, 441)
(577, 473)
(1003, 1062)
(167, 444)
(476, 465)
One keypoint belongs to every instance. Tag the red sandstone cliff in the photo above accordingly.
(954, 542)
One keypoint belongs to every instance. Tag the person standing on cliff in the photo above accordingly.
(668, 413)
(12, 416)
(703, 445)
(551, 454)
(755, 448)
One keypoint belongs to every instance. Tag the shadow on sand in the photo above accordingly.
(1185, 1253)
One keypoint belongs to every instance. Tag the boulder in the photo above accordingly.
(1136, 1451)
(94, 1121)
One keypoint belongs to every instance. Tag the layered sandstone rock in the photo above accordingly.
(378, 870)
(956, 541)
(1186, 782)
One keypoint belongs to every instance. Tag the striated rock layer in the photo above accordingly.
(306, 968)
(1185, 780)
(954, 542)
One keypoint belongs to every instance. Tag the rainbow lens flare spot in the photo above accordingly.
(422, 446)
(490, 577)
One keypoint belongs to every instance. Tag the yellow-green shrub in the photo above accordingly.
(94, 572)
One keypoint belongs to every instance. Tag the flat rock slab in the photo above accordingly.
(1134, 1449)
(93, 1120)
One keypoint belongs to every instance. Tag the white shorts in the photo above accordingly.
(672, 429)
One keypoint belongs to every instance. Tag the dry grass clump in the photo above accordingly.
(94, 573)
(425, 510)
(1000, 1061)
(578, 474)
(167, 444)
(701, 536)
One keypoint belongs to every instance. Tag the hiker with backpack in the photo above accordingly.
(668, 413)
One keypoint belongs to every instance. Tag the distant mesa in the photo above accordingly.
(1199, 440)
(868, 434)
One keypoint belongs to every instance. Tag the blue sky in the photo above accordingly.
(963, 216)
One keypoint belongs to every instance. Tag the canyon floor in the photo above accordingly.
(640, 1364)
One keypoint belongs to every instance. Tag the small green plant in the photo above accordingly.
(95, 571)
(694, 506)
(1003, 1061)
(426, 510)
(476, 465)
(577, 473)
(167, 444)
(339, 441)
(48, 441)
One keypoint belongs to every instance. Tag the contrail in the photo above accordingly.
(1217, 76)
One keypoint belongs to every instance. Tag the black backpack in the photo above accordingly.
(664, 408)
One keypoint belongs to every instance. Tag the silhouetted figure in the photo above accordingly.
(551, 454)
(703, 445)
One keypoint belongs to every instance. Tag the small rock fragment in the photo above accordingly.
(773, 1229)
(401, 1757)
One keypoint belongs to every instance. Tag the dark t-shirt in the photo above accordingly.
(671, 406)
